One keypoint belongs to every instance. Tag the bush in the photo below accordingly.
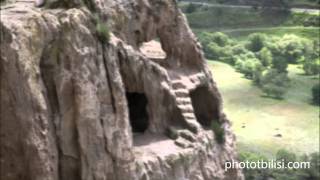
(279, 61)
(247, 64)
(282, 174)
(274, 83)
(293, 47)
(256, 42)
(265, 57)
(218, 132)
(285, 155)
(221, 39)
(316, 93)
(172, 133)
(103, 32)
(191, 8)
(311, 61)
(217, 46)
(311, 66)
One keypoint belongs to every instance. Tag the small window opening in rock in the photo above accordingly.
(205, 106)
(153, 50)
(138, 115)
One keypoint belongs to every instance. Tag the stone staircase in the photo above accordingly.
(185, 105)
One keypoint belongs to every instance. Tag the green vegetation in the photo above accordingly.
(256, 42)
(257, 120)
(316, 94)
(265, 3)
(263, 58)
(285, 174)
(103, 32)
(102, 29)
(266, 64)
(191, 8)
(218, 132)
(172, 133)
(243, 33)
(213, 18)
(275, 83)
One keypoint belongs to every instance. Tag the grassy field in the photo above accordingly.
(257, 119)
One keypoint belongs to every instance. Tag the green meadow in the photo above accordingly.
(258, 121)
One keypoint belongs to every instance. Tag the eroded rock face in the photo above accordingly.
(64, 107)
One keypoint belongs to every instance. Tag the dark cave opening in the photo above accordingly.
(138, 115)
(205, 106)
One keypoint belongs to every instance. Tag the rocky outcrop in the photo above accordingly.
(75, 107)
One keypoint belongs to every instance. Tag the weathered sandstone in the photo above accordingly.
(74, 107)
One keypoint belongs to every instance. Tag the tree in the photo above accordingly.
(285, 155)
(256, 42)
(279, 61)
(311, 66)
(265, 57)
(316, 93)
(247, 64)
(271, 4)
(191, 8)
(311, 61)
(275, 83)
(294, 48)
(221, 39)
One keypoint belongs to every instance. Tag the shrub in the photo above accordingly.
(218, 132)
(221, 39)
(256, 42)
(191, 8)
(280, 63)
(214, 51)
(285, 155)
(172, 133)
(247, 64)
(311, 66)
(282, 174)
(293, 47)
(274, 83)
(239, 49)
(265, 57)
(316, 93)
(102, 29)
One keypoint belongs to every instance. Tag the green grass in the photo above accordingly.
(257, 119)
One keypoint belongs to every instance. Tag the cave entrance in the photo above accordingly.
(138, 115)
(205, 106)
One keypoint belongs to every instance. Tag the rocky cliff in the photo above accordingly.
(81, 101)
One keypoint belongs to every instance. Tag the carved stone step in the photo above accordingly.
(193, 125)
(189, 115)
(181, 92)
(178, 85)
(183, 143)
(187, 135)
(187, 110)
(183, 100)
